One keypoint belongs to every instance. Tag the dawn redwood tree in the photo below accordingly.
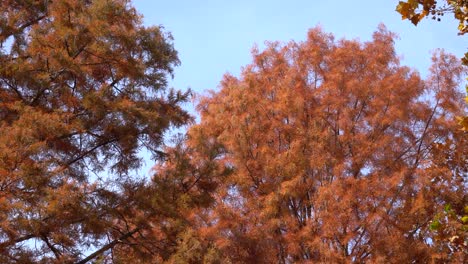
(333, 153)
(83, 88)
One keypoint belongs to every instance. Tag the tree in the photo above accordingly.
(333, 154)
(83, 88)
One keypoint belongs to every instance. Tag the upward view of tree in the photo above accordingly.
(82, 89)
(334, 154)
(322, 151)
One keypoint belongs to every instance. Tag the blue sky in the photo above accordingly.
(216, 36)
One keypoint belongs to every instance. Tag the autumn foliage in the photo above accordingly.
(82, 91)
(416, 10)
(336, 154)
(322, 151)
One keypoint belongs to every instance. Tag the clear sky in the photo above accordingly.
(216, 36)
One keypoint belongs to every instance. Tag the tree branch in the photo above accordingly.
(7, 33)
(51, 247)
(108, 246)
(84, 154)
(17, 240)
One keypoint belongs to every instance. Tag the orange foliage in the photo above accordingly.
(82, 89)
(335, 153)
(324, 151)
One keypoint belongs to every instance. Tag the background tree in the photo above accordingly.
(335, 154)
(82, 91)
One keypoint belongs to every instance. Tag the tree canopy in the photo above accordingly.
(83, 88)
(334, 154)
